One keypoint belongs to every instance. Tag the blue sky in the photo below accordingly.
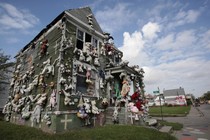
(170, 39)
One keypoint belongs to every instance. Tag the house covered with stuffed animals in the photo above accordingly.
(71, 75)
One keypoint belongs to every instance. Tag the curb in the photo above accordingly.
(201, 113)
(169, 115)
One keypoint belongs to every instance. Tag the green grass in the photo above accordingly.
(175, 126)
(170, 111)
(10, 131)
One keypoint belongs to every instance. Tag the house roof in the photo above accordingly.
(82, 13)
(79, 13)
(174, 92)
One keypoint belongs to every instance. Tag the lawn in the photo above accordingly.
(175, 126)
(10, 131)
(169, 111)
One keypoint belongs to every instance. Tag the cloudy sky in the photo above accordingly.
(169, 39)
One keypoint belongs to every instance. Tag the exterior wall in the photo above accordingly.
(176, 100)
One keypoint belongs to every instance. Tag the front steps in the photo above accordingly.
(124, 117)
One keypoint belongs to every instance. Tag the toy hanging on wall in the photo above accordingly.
(116, 115)
(83, 111)
(133, 109)
(48, 67)
(40, 102)
(26, 110)
(136, 98)
(44, 47)
(94, 108)
(47, 119)
(125, 88)
(7, 110)
(88, 76)
(52, 102)
(104, 103)
(67, 99)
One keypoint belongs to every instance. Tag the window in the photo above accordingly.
(80, 37)
(82, 85)
(87, 37)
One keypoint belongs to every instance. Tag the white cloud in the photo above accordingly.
(184, 17)
(206, 39)
(114, 18)
(13, 18)
(181, 40)
(150, 30)
(132, 45)
(175, 59)
(188, 73)
(192, 16)
(166, 42)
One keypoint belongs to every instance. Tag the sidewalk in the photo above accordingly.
(194, 127)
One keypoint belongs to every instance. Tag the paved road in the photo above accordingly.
(196, 124)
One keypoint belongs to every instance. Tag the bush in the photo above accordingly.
(170, 105)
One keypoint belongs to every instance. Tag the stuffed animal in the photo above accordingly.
(52, 100)
(62, 81)
(101, 83)
(125, 88)
(7, 110)
(105, 103)
(47, 119)
(42, 99)
(96, 61)
(94, 108)
(133, 109)
(67, 99)
(115, 115)
(86, 48)
(49, 68)
(88, 75)
(81, 113)
(87, 105)
(26, 111)
(44, 46)
(68, 87)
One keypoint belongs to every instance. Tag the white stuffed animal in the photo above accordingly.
(94, 108)
(87, 105)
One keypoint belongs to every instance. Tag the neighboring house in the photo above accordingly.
(150, 99)
(175, 96)
(190, 99)
(66, 75)
(159, 100)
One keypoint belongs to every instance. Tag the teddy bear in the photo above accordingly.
(104, 102)
(133, 109)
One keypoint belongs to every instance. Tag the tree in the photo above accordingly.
(206, 95)
(5, 70)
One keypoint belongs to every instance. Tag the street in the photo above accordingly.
(196, 124)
